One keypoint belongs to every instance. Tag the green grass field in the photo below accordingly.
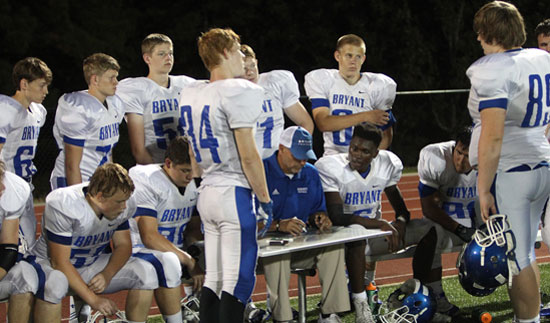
(497, 303)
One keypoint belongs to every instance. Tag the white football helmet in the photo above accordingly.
(120, 316)
(190, 309)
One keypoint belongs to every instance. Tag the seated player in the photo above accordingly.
(298, 202)
(151, 103)
(281, 94)
(86, 123)
(19, 281)
(166, 218)
(447, 193)
(79, 223)
(353, 185)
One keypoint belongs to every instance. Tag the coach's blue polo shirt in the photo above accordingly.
(298, 197)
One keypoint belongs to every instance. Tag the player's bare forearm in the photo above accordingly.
(396, 200)
(136, 135)
(432, 210)
(251, 162)
(327, 122)
(193, 231)
(489, 147)
(73, 157)
(60, 260)
(299, 115)
(387, 137)
(122, 250)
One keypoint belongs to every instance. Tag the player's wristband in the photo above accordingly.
(277, 225)
(401, 219)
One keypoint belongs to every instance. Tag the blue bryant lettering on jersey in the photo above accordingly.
(159, 107)
(361, 196)
(327, 88)
(157, 196)
(19, 130)
(280, 92)
(83, 121)
(457, 191)
(70, 220)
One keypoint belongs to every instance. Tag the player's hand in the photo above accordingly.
(98, 283)
(293, 226)
(393, 239)
(464, 233)
(377, 117)
(487, 205)
(105, 306)
(197, 275)
(264, 215)
(322, 221)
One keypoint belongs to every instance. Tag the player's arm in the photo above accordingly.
(73, 157)
(402, 215)
(327, 122)
(136, 134)
(387, 137)
(152, 239)
(489, 147)
(251, 163)
(193, 230)
(9, 238)
(299, 115)
(122, 250)
(432, 210)
(1, 146)
(60, 259)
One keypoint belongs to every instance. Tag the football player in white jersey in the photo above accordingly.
(353, 185)
(166, 218)
(281, 94)
(342, 98)
(510, 109)
(20, 281)
(219, 117)
(23, 116)
(447, 191)
(542, 32)
(79, 223)
(86, 123)
(151, 103)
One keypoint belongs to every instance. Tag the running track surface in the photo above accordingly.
(387, 272)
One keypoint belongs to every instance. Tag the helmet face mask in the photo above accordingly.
(412, 302)
(488, 261)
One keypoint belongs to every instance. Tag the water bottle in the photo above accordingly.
(481, 315)
(372, 298)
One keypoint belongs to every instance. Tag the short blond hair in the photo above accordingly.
(501, 23)
(148, 44)
(109, 179)
(248, 51)
(213, 43)
(350, 39)
(97, 64)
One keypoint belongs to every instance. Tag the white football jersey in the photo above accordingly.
(159, 107)
(326, 87)
(82, 120)
(519, 82)
(209, 114)
(19, 129)
(361, 196)
(281, 92)
(69, 219)
(14, 198)
(157, 196)
(457, 191)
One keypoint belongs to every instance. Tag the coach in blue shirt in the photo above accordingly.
(299, 206)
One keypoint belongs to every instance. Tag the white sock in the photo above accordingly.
(188, 290)
(369, 277)
(362, 295)
(174, 318)
(535, 319)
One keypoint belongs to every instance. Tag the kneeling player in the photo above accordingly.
(79, 223)
(166, 219)
(20, 281)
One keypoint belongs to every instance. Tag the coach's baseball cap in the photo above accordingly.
(299, 141)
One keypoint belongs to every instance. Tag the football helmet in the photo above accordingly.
(120, 316)
(412, 302)
(488, 261)
(190, 309)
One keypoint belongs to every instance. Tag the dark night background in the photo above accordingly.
(422, 45)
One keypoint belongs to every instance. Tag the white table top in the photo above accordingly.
(313, 239)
